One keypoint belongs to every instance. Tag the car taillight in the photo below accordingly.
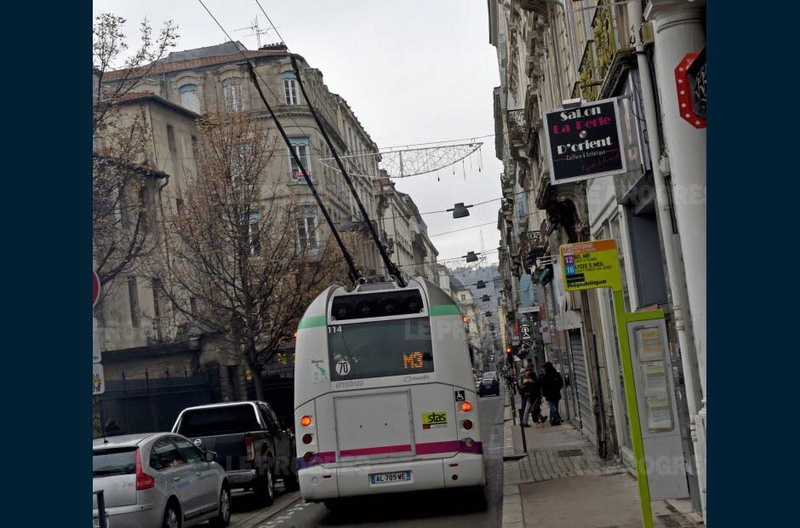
(305, 421)
(467, 424)
(250, 448)
(308, 456)
(143, 480)
(466, 406)
(307, 438)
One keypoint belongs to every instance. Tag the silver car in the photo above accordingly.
(158, 480)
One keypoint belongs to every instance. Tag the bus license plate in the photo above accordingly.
(387, 478)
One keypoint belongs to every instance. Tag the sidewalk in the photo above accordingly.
(561, 481)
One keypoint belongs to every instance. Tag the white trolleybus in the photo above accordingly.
(384, 395)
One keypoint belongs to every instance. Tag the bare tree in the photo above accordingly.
(122, 167)
(240, 257)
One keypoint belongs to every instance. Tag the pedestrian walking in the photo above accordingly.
(532, 396)
(522, 381)
(551, 384)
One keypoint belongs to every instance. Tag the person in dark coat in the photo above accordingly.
(551, 384)
(533, 394)
(113, 428)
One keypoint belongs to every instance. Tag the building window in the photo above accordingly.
(253, 234)
(306, 218)
(133, 301)
(290, 89)
(300, 146)
(239, 162)
(190, 98)
(232, 90)
(173, 147)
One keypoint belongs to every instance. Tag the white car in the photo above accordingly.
(158, 480)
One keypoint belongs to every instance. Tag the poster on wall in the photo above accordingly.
(584, 141)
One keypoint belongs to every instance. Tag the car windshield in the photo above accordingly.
(489, 376)
(121, 461)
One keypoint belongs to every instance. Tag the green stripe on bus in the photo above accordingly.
(310, 322)
(444, 309)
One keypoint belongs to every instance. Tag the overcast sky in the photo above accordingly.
(415, 72)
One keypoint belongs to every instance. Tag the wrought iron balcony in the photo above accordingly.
(538, 6)
(517, 132)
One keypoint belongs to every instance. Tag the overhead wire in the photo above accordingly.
(352, 268)
(317, 149)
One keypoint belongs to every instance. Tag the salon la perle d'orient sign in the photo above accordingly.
(584, 142)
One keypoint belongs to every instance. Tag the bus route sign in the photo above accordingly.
(590, 265)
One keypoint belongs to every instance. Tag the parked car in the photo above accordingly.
(490, 384)
(156, 480)
(250, 443)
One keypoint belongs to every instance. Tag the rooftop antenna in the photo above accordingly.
(257, 32)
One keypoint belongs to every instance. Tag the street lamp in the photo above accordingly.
(471, 256)
(460, 210)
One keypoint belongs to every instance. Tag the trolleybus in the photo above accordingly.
(384, 394)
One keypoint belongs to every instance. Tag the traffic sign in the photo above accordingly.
(98, 379)
(95, 288)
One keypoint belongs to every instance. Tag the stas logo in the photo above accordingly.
(433, 420)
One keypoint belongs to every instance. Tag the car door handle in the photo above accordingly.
(176, 478)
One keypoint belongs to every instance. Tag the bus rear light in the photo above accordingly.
(467, 424)
(249, 448)
(305, 421)
(469, 442)
(307, 438)
(308, 456)
(466, 406)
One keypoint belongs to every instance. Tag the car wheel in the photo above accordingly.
(172, 516)
(224, 514)
(291, 481)
(266, 489)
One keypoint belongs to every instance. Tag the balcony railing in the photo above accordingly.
(517, 133)
(534, 5)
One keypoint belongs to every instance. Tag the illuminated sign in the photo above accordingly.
(412, 360)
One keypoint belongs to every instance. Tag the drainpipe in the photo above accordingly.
(672, 252)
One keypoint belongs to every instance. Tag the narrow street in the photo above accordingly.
(430, 509)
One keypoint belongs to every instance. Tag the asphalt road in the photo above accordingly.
(449, 508)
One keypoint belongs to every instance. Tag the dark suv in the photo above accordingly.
(490, 384)
(250, 443)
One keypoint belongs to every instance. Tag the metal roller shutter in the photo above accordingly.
(582, 383)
